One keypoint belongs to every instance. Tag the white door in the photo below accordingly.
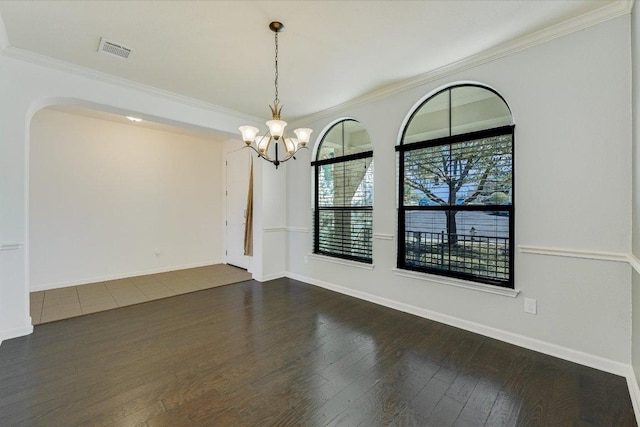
(237, 172)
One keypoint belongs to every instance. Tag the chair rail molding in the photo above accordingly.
(634, 262)
(574, 253)
(383, 236)
(10, 246)
(298, 230)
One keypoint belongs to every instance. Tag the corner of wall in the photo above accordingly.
(634, 392)
(634, 374)
(17, 332)
(4, 38)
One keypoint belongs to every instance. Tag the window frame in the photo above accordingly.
(317, 164)
(450, 140)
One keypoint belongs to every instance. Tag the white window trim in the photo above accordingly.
(443, 280)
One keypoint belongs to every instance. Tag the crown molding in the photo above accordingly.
(56, 64)
(605, 13)
(612, 10)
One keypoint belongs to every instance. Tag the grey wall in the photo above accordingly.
(635, 53)
(573, 181)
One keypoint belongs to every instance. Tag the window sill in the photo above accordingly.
(341, 261)
(480, 287)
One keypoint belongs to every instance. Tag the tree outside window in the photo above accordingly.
(456, 190)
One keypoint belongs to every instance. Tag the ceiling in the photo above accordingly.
(221, 52)
(76, 110)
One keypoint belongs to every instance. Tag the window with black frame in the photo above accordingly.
(344, 193)
(455, 210)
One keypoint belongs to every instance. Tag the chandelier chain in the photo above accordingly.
(277, 100)
(275, 136)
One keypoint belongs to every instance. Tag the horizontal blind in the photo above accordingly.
(344, 209)
(345, 233)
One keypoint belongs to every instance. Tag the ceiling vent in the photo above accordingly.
(114, 49)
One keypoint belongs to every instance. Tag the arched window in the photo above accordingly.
(455, 210)
(344, 193)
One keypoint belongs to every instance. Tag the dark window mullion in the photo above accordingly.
(348, 158)
(484, 255)
(401, 261)
(316, 225)
(471, 136)
(346, 232)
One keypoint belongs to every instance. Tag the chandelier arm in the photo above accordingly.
(259, 153)
(292, 155)
(277, 161)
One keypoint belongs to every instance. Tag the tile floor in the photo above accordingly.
(63, 303)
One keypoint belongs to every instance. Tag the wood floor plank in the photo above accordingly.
(601, 402)
(426, 401)
(408, 418)
(537, 396)
(505, 411)
(446, 412)
(479, 405)
(286, 353)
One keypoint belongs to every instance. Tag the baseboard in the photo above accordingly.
(85, 281)
(550, 349)
(17, 332)
(268, 277)
(634, 391)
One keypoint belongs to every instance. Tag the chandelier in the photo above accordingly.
(261, 143)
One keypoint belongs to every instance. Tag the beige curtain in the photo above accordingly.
(248, 225)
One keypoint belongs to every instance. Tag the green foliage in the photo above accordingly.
(498, 198)
(469, 170)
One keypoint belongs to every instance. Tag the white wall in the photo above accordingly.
(270, 221)
(571, 103)
(27, 87)
(105, 196)
(635, 53)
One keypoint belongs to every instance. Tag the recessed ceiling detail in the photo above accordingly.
(114, 49)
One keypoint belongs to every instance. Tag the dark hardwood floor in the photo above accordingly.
(287, 353)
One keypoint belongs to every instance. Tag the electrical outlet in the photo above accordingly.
(306, 259)
(530, 306)
(157, 251)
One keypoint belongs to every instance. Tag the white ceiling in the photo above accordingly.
(123, 120)
(221, 52)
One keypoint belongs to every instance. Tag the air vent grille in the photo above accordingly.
(114, 49)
